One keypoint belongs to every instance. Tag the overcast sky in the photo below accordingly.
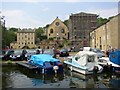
(36, 13)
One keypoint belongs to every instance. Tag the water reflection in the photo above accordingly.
(17, 77)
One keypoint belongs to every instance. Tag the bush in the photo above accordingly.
(9, 62)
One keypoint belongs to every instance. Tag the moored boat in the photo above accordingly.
(113, 60)
(46, 64)
(84, 62)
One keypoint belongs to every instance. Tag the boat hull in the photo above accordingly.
(116, 70)
(50, 70)
(80, 70)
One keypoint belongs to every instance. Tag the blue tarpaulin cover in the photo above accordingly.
(41, 58)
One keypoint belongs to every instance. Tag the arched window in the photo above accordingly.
(51, 30)
(63, 31)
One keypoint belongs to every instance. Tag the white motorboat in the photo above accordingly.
(85, 62)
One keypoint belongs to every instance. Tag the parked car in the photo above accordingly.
(30, 52)
(7, 54)
(64, 52)
(99, 53)
(49, 51)
(19, 55)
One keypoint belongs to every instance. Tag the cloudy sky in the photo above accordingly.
(36, 13)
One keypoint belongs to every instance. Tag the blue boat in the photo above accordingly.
(46, 64)
(113, 60)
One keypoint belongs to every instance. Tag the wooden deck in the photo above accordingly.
(24, 64)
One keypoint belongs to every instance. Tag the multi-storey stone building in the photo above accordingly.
(108, 35)
(25, 38)
(57, 30)
(80, 25)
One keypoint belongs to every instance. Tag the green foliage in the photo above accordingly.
(47, 25)
(51, 39)
(8, 36)
(13, 29)
(111, 17)
(66, 22)
(39, 34)
(9, 62)
(101, 21)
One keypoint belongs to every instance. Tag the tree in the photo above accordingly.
(111, 17)
(13, 29)
(101, 21)
(8, 36)
(47, 25)
(39, 34)
(66, 22)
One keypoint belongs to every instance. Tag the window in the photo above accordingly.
(63, 31)
(91, 58)
(74, 27)
(100, 40)
(57, 24)
(75, 37)
(25, 36)
(51, 30)
(76, 58)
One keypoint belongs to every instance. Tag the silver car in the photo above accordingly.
(99, 52)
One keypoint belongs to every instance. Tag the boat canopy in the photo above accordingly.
(41, 58)
(83, 57)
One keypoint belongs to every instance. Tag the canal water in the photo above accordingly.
(19, 77)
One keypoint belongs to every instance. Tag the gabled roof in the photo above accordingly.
(55, 21)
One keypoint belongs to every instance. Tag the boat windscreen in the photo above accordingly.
(91, 58)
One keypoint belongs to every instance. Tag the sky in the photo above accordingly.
(39, 13)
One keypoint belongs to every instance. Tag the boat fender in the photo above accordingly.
(43, 71)
(71, 68)
(95, 69)
(55, 68)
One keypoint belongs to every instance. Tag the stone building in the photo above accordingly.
(107, 36)
(46, 44)
(25, 39)
(57, 30)
(80, 25)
